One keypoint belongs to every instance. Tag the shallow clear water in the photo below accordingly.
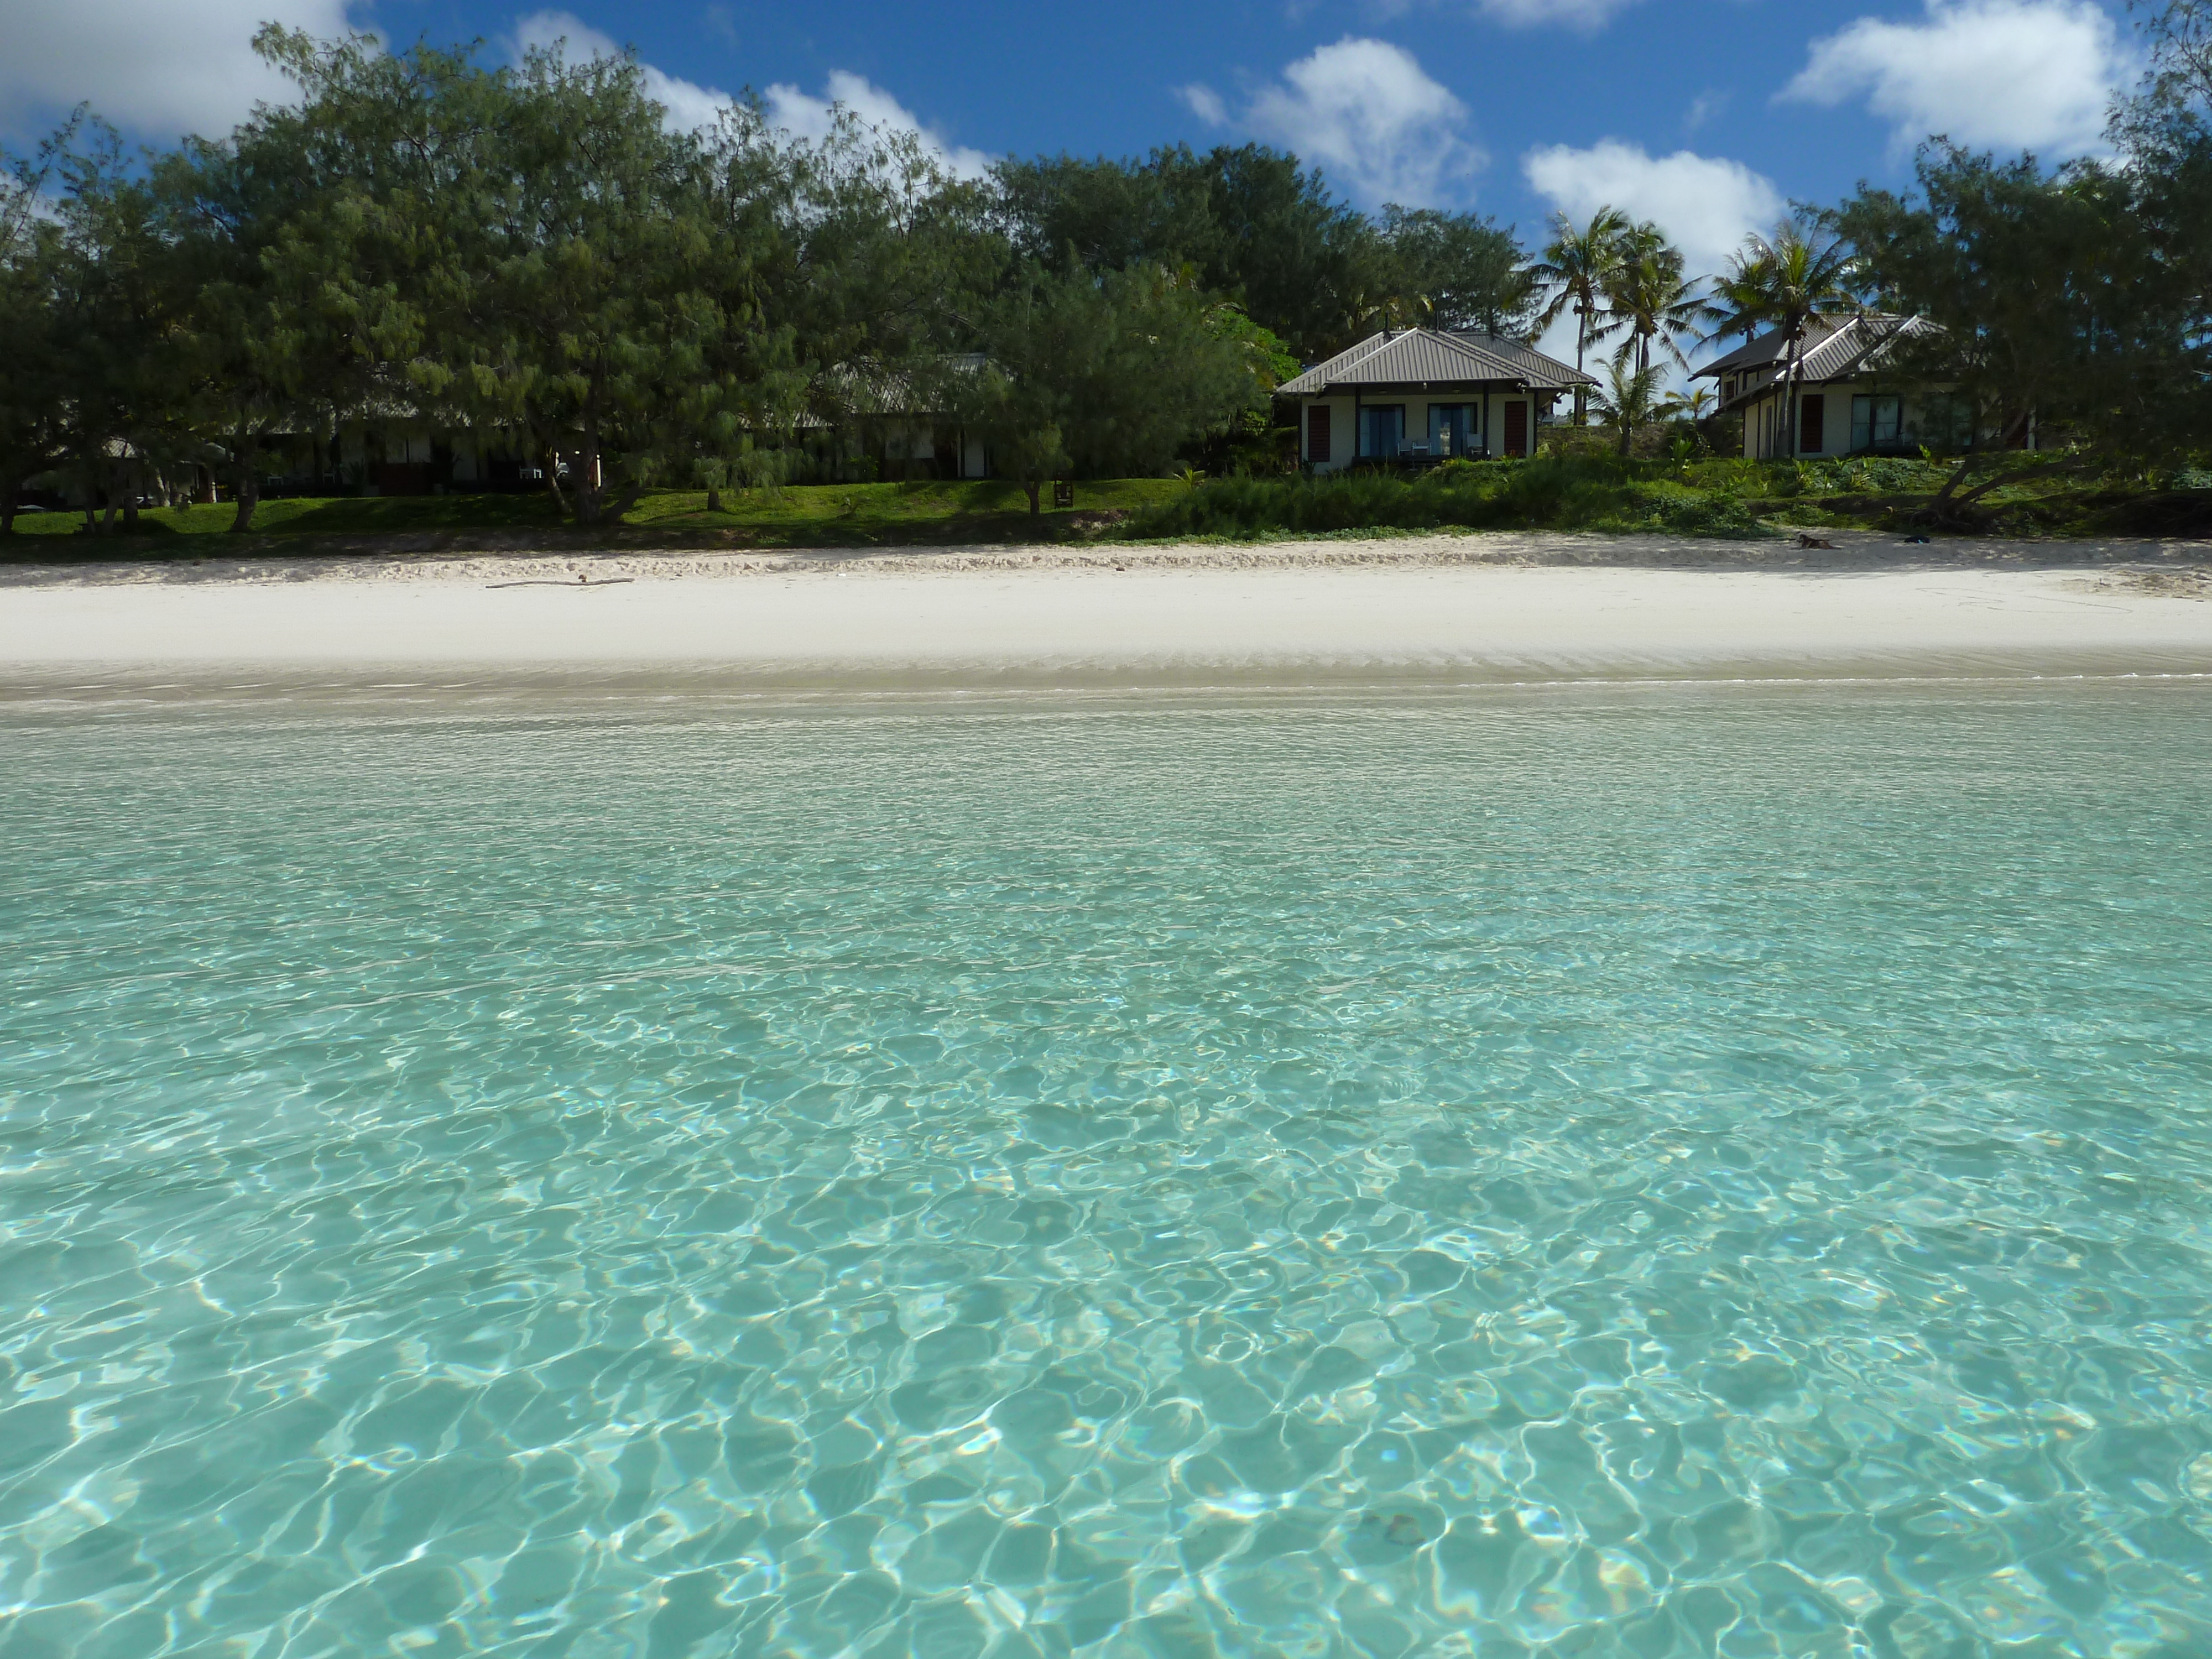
(1663, 1172)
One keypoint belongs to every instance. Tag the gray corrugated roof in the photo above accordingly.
(1421, 356)
(1526, 361)
(1835, 347)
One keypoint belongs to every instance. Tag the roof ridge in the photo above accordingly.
(1481, 354)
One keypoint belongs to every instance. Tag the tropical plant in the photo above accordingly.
(1737, 297)
(1649, 299)
(1577, 266)
(1629, 400)
(1806, 272)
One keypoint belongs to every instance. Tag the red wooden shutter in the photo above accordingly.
(1516, 429)
(1812, 424)
(1317, 434)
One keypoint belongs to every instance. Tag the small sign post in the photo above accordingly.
(1063, 492)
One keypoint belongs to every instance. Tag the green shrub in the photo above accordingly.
(1574, 492)
(1706, 515)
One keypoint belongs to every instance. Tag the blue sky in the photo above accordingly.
(1706, 115)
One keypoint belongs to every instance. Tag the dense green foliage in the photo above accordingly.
(918, 514)
(1547, 493)
(2078, 297)
(1729, 499)
(1249, 224)
(531, 251)
(1117, 367)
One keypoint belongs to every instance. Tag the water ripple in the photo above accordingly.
(1638, 1173)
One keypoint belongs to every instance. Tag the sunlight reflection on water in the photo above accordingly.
(1649, 1172)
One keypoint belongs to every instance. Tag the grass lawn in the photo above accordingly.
(799, 515)
(1711, 498)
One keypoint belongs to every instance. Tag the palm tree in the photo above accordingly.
(1577, 267)
(1631, 398)
(1805, 273)
(1648, 297)
(1738, 301)
(1692, 406)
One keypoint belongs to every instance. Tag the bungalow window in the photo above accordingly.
(1454, 429)
(1318, 434)
(1944, 423)
(1877, 423)
(1381, 429)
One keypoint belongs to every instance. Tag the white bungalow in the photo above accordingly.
(1421, 395)
(1853, 399)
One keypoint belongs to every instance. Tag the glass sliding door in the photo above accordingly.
(1455, 430)
(1381, 429)
(1877, 423)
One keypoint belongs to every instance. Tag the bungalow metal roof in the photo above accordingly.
(1835, 348)
(867, 388)
(1425, 356)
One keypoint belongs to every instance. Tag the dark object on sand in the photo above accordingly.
(582, 581)
(1916, 541)
(1804, 540)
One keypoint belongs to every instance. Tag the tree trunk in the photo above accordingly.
(11, 489)
(548, 463)
(588, 482)
(1581, 344)
(1790, 399)
(1035, 511)
(249, 485)
(714, 499)
(130, 499)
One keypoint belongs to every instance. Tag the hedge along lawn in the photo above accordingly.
(1574, 494)
(800, 515)
(827, 514)
(1726, 498)
(1718, 497)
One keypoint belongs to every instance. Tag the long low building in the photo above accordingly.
(1419, 394)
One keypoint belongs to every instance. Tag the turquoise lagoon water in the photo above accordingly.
(1664, 1172)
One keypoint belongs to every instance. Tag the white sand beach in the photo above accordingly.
(1515, 608)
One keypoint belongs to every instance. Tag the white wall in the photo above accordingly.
(1764, 438)
(1343, 431)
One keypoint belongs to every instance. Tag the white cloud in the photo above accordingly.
(1704, 107)
(2033, 74)
(809, 118)
(1583, 15)
(690, 105)
(153, 67)
(1205, 103)
(1705, 204)
(1368, 114)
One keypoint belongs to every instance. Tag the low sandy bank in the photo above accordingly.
(1505, 608)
